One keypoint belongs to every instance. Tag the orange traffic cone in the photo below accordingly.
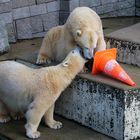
(105, 61)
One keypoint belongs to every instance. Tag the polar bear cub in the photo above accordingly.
(34, 91)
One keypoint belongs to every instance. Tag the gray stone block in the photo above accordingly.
(23, 28)
(64, 5)
(137, 3)
(44, 1)
(11, 32)
(63, 17)
(21, 12)
(31, 2)
(109, 7)
(53, 6)
(36, 24)
(125, 4)
(73, 4)
(19, 3)
(41, 34)
(90, 3)
(6, 17)
(38, 9)
(50, 20)
(127, 12)
(106, 109)
(4, 45)
(137, 11)
(3, 1)
(111, 14)
(127, 51)
(108, 1)
(5, 7)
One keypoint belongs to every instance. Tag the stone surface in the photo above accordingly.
(64, 5)
(19, 3)
(50, 20)
(127, 42)
(70, 131)
(4, 45)
(3, 1)
(41, 34)
(137, 11)
(53, 6)
(108, 1)
(36, 24)
(111, 111)
(90, 3)
(127, 52)
(24, 29)
(131, 33)
(5, 7)
(137, 3)
(125, 4)
(11, 32)
(73, 4)
(38, 9)
(43, 1)
(127, 12)
(23, 12)
(6, 17)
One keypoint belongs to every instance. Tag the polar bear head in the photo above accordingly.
(74, 61)
(87, 40)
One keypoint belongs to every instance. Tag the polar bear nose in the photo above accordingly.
(88, 54)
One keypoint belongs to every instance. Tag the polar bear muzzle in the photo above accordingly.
(86, 53)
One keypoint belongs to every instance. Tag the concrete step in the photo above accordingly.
(104, 104)
(127, 42)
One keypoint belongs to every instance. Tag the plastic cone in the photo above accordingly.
(105, 61)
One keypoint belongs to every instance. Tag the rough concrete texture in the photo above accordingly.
(127, 52)
(131, 33)
(127, 42)
(70, 131)
(4, 45)
(111, 111)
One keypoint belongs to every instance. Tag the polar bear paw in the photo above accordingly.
(42, 60)
(4, 119)
(33, 135)
(55, 125)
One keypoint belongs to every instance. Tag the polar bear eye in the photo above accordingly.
(72, 51)
(79, 33)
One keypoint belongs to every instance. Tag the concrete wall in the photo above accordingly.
(107, 8)
(27, 19)
(137, 7)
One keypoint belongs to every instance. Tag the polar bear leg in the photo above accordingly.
(49, 119)
(42, 59)
(34, 115)
(4, 117)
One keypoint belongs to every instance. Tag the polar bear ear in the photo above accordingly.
(79, 32)
(65, 63)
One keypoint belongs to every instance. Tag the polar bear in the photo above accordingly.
(83, 27)
(33, 92)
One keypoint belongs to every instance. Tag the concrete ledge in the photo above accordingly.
(106, 109)
(127, 52)
(127, 42)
